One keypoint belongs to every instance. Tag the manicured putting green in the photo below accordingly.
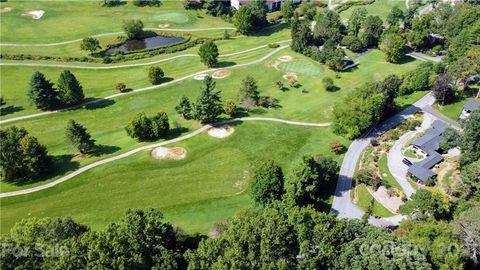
(302, 67)
(174, 17)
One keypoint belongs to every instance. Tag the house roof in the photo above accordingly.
(471, 106)
(420, 173)
(431, 160)
(430, 141)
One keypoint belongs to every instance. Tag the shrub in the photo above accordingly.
(337, 147)
(155, 75)
(273, 45)
(328, 83)
(229, 107)
(120, 87)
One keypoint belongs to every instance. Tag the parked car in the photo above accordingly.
(407, 162)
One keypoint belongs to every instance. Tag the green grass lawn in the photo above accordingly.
(379, 8)
(107, 120)
(206, 187)
(364, 198)
(78, 19)
(385, 172)
(452, 110)
(302, 67)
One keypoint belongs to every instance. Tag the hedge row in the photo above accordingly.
(349, 4)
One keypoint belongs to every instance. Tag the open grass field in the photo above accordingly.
(78, 19)
(364, 199)
(191, 192)
(302, 68)
(379, 8)
(454, 109)
(106, 120)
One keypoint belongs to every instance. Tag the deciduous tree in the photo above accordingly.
(133, 29)
(184, 108)
(155, 75)
(90, 44)
(208, 53)
(267, 184)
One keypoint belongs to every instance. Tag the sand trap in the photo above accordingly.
(290, 77)
(200, 76)
(221, 132)
(35, 14)
(164, 25)
(6, 9)
(175, 153)
(285, 58)
(219, 74)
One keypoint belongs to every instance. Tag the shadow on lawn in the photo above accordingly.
(102, 103)
(10, 109)
(225, 64)
(105, 150)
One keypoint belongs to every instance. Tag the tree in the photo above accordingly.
(417, 80)
(140, 127)
(226, 34)
(22, 157)
(184, 108)
(70, 92)
(110, 3)
(337, 147)
(142, 3)
(328, 27)
(160, 125)
(471, 139)
(209, 104)
(393, 45)
(353, 43)
(155, 75)
(133, 29)
(193, 4)
(90, 44)
(468, 224)
(208, 53)
(328, 83)
(243, 20)
(424, 204)
(79, 137)
(395, 15)
(442, 88)
(267, 183)
(249, 89)
(308, 177)
(450, 139)
(471, 178)
(356, 20)
(121, 87)
(230, 107)
(41, 92)
(301, 36)
(371, 31)
(287, 10)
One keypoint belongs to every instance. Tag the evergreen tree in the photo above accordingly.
(140, 127)
(249, 89)
(208, 53)
(301, 36)
(36, 161)
(209, 105)
(160, 125)
(184, 108)
(79, 137)
(69, 89)
(471, 139)
(41, 92)
(267, 184)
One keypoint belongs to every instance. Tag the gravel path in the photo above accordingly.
(151, 146)
(29, 116)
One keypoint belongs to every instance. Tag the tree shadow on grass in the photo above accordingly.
(269, 30)
(333, 88)
(406, 59)
(225, 64)
(100, 104)
(10, 109)
(102, 149)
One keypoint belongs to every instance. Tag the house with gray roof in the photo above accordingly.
(468, 108)
(428, 145)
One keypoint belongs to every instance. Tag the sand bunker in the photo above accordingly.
(35, 14)
(285, 58)
(221, 132)
(219, 74)
(164, 25)
(5, 9)
(200, 76)
(175, 153)
(290, 77)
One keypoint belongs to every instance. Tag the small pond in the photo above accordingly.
(146, 43)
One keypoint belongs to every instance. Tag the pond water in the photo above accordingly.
(146, 43)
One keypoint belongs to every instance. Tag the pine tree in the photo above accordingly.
(184, 108)
(36, 161)
(160, 125)
(69, 89)
(209, 105)
(79, 137)
(41, 92)
(249, 89)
